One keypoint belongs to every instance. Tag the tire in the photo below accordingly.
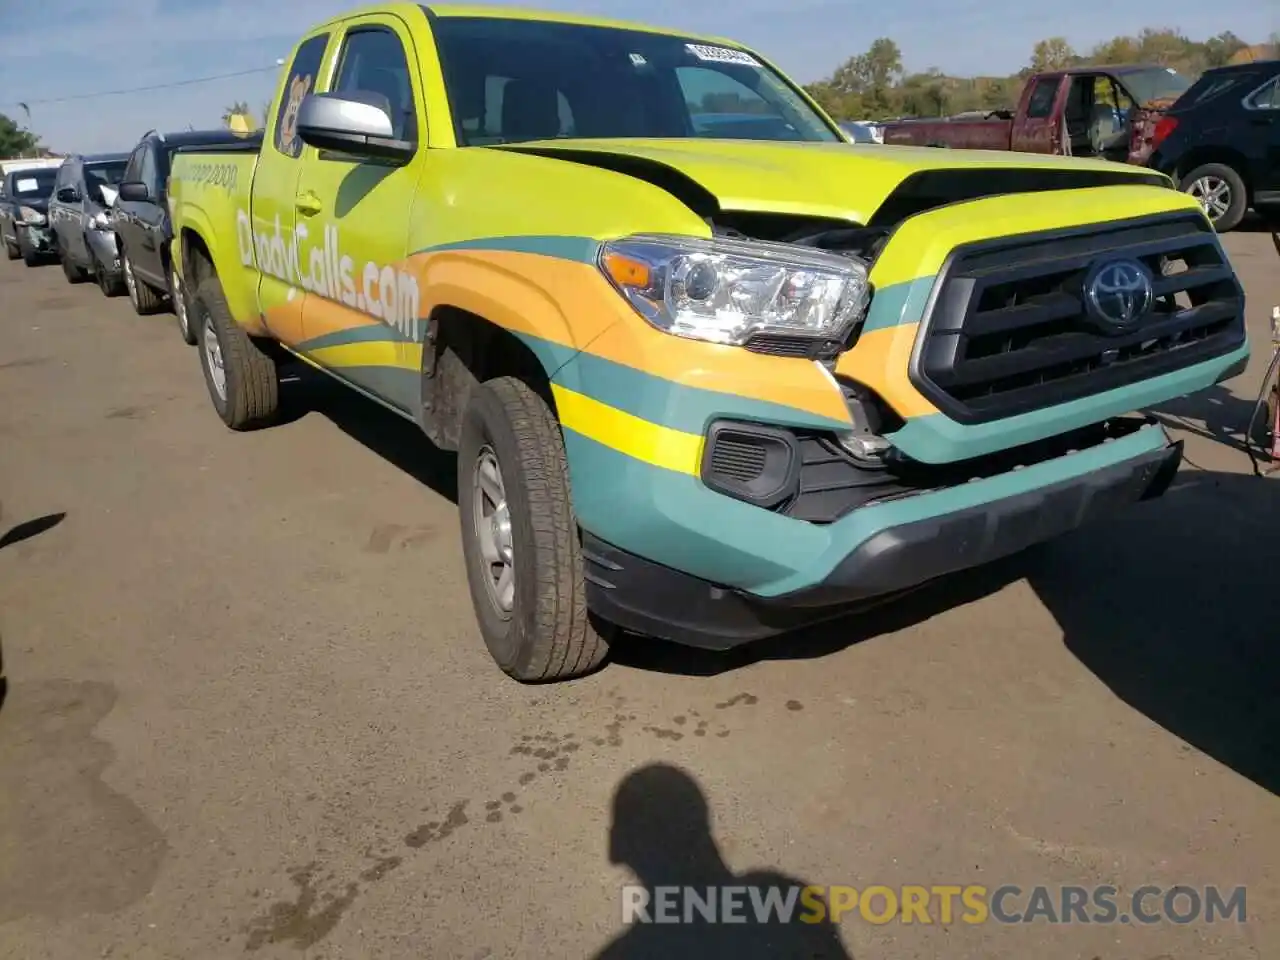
(247, 395)
(109, 285)
(73, 273)
(29, 256)
(1208, 180)
(11, 251)
(181, 309)
(546, 633)
(145, 299)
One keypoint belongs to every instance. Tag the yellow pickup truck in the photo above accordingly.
(711, 371)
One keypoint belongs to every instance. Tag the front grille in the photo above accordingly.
(1008, 330)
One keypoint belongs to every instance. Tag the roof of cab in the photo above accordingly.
(519, 13)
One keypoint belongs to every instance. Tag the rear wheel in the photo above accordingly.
(520, 539)
(242, 379)
(178, 296)
(1221, 193)
(29, 255)
(73, 273)
(145, 299)
(110, 284)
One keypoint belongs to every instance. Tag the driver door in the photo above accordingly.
(361, 313)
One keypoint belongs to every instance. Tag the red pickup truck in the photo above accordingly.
(1079, 112)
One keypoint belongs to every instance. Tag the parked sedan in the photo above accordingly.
(142, 221)
(80, 215)
(24, 221)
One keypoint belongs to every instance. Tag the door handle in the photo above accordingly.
(308, 204)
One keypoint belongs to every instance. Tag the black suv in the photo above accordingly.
(142, 223)
(1220, 141)
(80, 216)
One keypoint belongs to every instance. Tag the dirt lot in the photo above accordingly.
(249, 710)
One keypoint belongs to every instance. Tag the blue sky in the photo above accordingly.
(62, 48)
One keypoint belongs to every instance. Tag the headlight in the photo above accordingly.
(100, 221)
(30, 215)
(725, 291)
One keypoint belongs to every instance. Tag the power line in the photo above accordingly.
(154, 86)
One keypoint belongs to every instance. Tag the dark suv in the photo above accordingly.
(80, 215)
(24, 209)
(1220, 141)
(142, 221)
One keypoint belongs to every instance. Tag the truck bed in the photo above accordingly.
(988, 133)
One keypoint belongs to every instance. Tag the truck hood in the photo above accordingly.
(838, 180)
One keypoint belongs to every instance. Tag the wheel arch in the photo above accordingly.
(1226, 156)
(463, 349)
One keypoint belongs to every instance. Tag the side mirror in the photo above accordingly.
(358, 124)
(68, 195)
(134, 190)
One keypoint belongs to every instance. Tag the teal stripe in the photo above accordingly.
(577, 249)
(672, 519)
(368, 333)
(898, 303)
(937, 438)
(396, 386)
(673, 404)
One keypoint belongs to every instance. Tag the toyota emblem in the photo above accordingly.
(1119, 293)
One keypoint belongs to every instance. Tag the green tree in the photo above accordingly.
(1052, 54)
(872, 77)
(16, 140)
(1219, 50)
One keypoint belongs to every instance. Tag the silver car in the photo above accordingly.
(81, 215)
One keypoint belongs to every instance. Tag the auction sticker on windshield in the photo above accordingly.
(26, 184)
(721, 54)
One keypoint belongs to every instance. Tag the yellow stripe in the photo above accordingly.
(638, 438)
(371, 353)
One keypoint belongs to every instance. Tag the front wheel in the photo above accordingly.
(144, 298)
(109, 283)
(242, 379)
(1221, 193)
(11, 251)
(520, 539)
(73, 273)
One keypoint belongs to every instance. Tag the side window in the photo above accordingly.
(134, 165)
(1266, 98)
(373, 61)
(1040, 104)
(147, 171)
(302, 79)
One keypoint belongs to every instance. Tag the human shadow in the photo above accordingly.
(1175, 606)
(661, 831)
(1225, 417)
(891, 615)
(31, 528)
(397, 440)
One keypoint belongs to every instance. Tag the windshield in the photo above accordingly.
(33, 184)
(1158, 83)
(101, 175)
(511, 80)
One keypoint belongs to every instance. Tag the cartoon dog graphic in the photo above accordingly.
(287, 132)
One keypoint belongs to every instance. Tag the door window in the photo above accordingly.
(1040, 103)
(147, 172)
(302, 79)
(373, 61)
(1265, 98)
